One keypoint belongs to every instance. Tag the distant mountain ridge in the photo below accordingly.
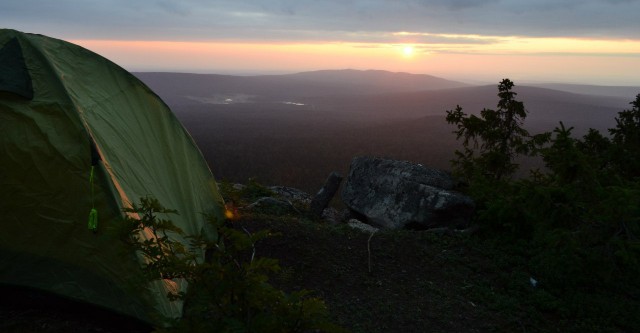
(628, 92)
(185, 88)
(381, 80)
(295, 129)
(375, 95)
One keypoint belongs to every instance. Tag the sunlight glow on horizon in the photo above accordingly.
(516, 45)
(407, 51)
(594, 61)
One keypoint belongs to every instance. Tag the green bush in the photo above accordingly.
(230, 290)
(580, 215)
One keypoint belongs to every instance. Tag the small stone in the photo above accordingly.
(356, 224)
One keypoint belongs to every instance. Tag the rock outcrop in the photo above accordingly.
(294, 195)
(326, 193)
(272, 206)
(398, 194)
(355, 224)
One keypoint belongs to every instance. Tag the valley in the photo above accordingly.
(294, 130)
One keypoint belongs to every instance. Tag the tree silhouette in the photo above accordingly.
(492, 140)
(626, 139)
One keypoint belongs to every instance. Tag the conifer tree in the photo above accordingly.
(491, 141)
(626, 140)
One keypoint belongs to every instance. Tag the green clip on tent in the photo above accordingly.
(80, 134)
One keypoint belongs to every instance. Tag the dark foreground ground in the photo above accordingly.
(393, 281)
(25, 311)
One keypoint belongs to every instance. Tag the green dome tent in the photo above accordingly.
(65, 111)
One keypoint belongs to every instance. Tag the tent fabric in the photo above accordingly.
(14, 76)
(84, 111)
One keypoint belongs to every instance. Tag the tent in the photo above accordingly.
(78, 132)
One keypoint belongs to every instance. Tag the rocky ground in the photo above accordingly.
(373, 280)
(393, 281)
(388, 282)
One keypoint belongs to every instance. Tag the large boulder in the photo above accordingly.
(398, 194)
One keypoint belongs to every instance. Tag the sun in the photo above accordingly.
(407, 51)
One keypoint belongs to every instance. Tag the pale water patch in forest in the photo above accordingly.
(224, 99)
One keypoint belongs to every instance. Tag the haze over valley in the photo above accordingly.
(295, 129)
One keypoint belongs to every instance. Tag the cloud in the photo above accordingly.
(455, 4)
(430, 38)
(174, 7)
(330, 20)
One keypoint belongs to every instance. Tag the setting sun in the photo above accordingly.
(407, 51)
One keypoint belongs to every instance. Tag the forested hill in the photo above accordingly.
(185, 87)
(295, 129)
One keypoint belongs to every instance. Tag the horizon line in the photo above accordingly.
(459, 78)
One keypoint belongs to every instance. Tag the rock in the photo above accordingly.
(326, 193)
(331, 215)
(398, 194)
(294, 195)
(347, 214)
(356, 224)
(238, 187)
(271, 205)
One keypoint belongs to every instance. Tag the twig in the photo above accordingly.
(253, 247)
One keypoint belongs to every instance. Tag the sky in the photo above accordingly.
(574, 41)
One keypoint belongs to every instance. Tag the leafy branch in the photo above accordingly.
(229, 290)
